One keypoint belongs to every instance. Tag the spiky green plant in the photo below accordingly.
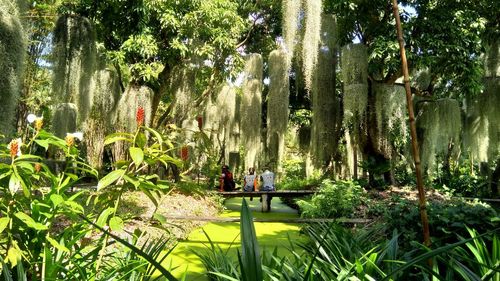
(12, 50)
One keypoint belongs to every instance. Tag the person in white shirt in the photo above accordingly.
(267, 180)
(267, 184)
(250, 181)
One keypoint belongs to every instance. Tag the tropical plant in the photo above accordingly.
(36, 209)
(45, 230)
(334, 199)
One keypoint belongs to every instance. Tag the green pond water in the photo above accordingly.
(226, 235)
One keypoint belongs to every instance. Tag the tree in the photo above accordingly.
(147, 39)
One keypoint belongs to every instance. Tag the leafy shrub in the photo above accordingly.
(464, 184)
(47, 233)
(299, 184)
(335, 199)
(446, 218)
(294, 169)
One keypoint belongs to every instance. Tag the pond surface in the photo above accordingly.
(226, 234)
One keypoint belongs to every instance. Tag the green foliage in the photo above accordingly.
(446, 218)
(47, 231)
(250, 258)
(293, 170)
(461, 183)
(219, 264)
(37, 207)
(334, 199)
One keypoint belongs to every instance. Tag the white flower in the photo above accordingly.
(31, 118)
(78, 135)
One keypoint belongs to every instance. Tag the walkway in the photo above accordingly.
(269, 235)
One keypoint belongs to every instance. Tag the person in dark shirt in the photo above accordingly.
(226, 181)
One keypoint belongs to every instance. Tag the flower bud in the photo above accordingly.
(139, 117)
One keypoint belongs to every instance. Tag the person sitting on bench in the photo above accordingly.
(267, 180)
(250, 181)
(226, 181)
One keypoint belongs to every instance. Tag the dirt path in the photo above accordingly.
(269, 235)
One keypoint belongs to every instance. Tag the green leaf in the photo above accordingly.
(250, 252)
(137, 155)
(103, 217)
(56, 244)
(56, 199)
(74, 207)
(14, 183)
(157, 135)
(6, 174)
(110, 178)
(30, 222)
(43, 143)
(118, 137)
(141, 140)
(13, 256)
(23, 184)
(3, 223)
(133, 180)
(116, 224)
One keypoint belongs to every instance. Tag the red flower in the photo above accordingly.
(185, 153)
(139, 117)
(200, 122)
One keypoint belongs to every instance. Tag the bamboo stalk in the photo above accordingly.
(413, 128)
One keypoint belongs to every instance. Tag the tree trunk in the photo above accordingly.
(413, 128)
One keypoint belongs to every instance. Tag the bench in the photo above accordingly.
(264, 195)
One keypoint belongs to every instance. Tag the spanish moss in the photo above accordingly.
(64, 120)
(100, 121)
(277, 116)
(182, 88)
(354, 75)
(390, 112)
(311, 40)
(74, 62)
(440, 123)
(326, 115)
(12, 50)
(251, 103)
(228, 130)
(290, 23)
